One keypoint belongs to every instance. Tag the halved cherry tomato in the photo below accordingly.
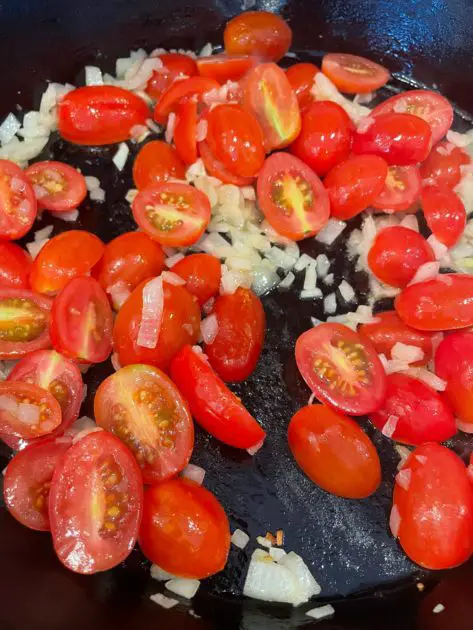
(432, 511)
(157, 162)
(58, 186)
(301, 77)
(292, 197)
(401, 189)
(341, 368)
(65, 256)
(225, 68)
(27, 411)
(24, 322)
(413, 413)
(444, 303)
(259, 33)
(354, 184)
(27, 482)
(236, 139)
(202, 273)
(444, 212)
(174, 65)
(237, 346)
(97, 493)
(326, 137)
(184, 529)
(173, 214)
(268, 95)
(432, 107)
(353, 74)
(396, 254)
(180, 91)
(212, 404)
(443, 165)
(185, 132)
(18, 206)
(82, 321)
(217, 169)
(142, 406)
(334, 452)
(180, 325)
(401, 139)
(389, 329)
(15, 266)
(100, 114)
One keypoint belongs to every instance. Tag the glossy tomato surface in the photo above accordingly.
(224, 67)
(15, 266)
(179, 92)
(58, 186)
(18, 205)
(217, 169)
(157, 162)
(401, 189)
(301, 77)
(174, 65)
(202, 273)
(445, 214)
(353, 74)
(443, 165)
(185, 132)
(260, 33)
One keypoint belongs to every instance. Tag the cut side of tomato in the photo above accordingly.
(97, 493)
(401, 189)
(15, 266)
(179, 92)
(260, 33)
(18, 205)
(58, 186)
(224, 67)
(215, 168)
(185, 132)
(292, 197)
(157, 162)
(301, 77)
(352, 74)
(341, 368)
(442, 167)
(445, 214)
(174, 65)
(202, 273)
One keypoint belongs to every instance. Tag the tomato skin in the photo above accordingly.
(18, 205)
(156, 162)
(334, 452)
(180, 325)
(354, 184)
(401, 190)
(237, 346)
(352, 74)
(175, 64)
(445, 214)
(202, 273)
(325, 138)
(442, 167)
(396, 254)
(444, 303)
(184, 529)
(100, 114)
(185, 132)
(259, 33)
(215, 168)
(212, 404)
(48, 176)
(179, 92)
(301, 77)
(15, 266)
(436, 510)
(225, 68)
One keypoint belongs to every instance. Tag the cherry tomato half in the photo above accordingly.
(185, 132)
(202, 273)
(58, 186)
(174, 65)
(179, 92)
(292, 197)
(15, 266)
(97, 493)
(401, 189)
(341, 368)
(184, 529)
(18, 206)
(443, 165)
(444, 212)
(259, 33)
(215, 168)
(353, 74)
(225, 68)
(301, 77)
(157, 162)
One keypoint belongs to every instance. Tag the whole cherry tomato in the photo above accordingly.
(259, 33)
(157, 162)
(443, 165)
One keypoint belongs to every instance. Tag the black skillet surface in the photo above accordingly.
(345, 542)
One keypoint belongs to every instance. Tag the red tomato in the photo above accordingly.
(65, 256)
(127, 261)
(27, 481)
(24, 323)
(301, 77)
(212, 404)
(443, 165)
(185, 132)
(354, 184)
(58, 186)
(15, 266)
(401, 189)
(433, 508)
(432, 107)
(237, 346)
(100, 114)
(82, 321)
(18, 206)
(180, 325)
(174, 65)
(97, 493)
(333, 452)
(202, 273)
(445, 214)
(444, 303)
(179, 92)
(268, 95)
(326, 137)
(389, 330)
(396, 254)
(259, 33)
(400, 139)
(341, 368)
(157, 162)
(352, 74)
(292, 197)
(236, 139)
(215, 168)
(225, 68)
(184, 529)
(27, 411)
(142, 407)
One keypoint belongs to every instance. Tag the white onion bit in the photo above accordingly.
(121, 156)
(240, 539)
(403, 478)
(172, 278)
(209, 328)
(163, 601)
(390, 426)
(254, 449)
(151, 314)
(395, 521)
(322, 612)
(186, 588)
(195, 473)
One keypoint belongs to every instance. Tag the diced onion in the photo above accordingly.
(270, 581)
(186, 588)
(93, 75)
(201, 130)
(310, 279)
(390, 426)
(277, 553)
(115, 362)
(309, 294)
(163, 601)
(160, 574)
(171, 125)
(403, 478)
(209, 328)
(121, 156)
(426, 271)
(254, 449)
(69, 216)
(173, 260)
(307, 585)
(429, 378)
(9, 128)
(410, 222)
(85, 432)
(303, 261)
(92, 183)
(240, 539)
(287, 281)
(322, 612)
(97, 195)
(172, 278)
(323, 265)
(364, 124)
(346, 291)
(264, 542)
(331, 231)
(35, 247)
(403, 453)
(330, 303)
(407, 353)
(329, 279)
(195, 473)
(438, 248)
(438, 608)
(395, 521)
(119, 292)
(151, 314)
(44, 233)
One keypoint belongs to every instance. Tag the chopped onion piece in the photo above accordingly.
(390, 426)
(85, 432)
(173, 260)
(201, 130)
(160, 574)
(410, 222)
(184, 587)
(35, 247)
(69, 216)
(171, 125)
(404, 352)
(330, 303)
(331, 231)
(346, 291)
(429, 378)
(364, 124)
(270, 581)
(438, 248)
(115, 362)
(287, 281)
(322, 612)
(92, 183)
(209, 328)
(308, 294)
(323, 265)
(264, 542)
(439, 607)
(172, 278)
(307, 585)
(97, 195)
(394, 521)
(240, 539)
(254, 449)
(9, 128)
(163, 601)
(403, 478)
(119, 292)
(403, 453)
(310, 279)
(195, 473)
(329, 279)
(93, 75)
(426, 271)
(44, 233)
(151, 314)
(277, 553)
(121, 156)
(131, 194)
(303, 261)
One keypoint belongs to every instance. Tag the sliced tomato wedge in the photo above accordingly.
(301, 77)
(224, 67)
(445, 214)
(215, 168)
(341, 368)
(157, 162)
(174, 65)
(212, 404)
(18, 205)
(258, 33)
(442, 167)
(97, 493)
(15, 266)
(180, 91)
(58, 186)
(401, 189)
(352, 74)
(202, 273)
(185, 132)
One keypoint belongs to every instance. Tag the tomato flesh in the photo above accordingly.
(225, 68)
(301, 77)
(401, 189)
(179, 92)
(185, 132)
(443, 165)
(18, 205)
(445, 214)
(258, 33)
(58, 186)
(15, 266)
(353, 74)
(174, 65)
(157, 162)
(202, 273)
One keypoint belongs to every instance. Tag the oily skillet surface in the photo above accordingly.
(346, 542)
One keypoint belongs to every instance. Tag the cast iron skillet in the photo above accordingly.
(360, 567)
